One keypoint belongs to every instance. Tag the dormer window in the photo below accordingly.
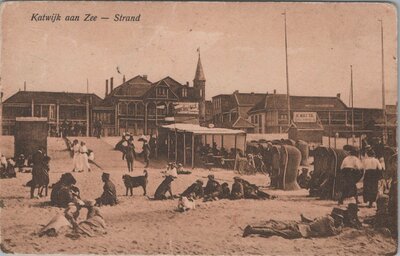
(161, 91)
(184, 92)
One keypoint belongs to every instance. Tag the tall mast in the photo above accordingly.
(383, 86)
(287, 71)
(352, 103)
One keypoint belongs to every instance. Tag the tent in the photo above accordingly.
(186, 138)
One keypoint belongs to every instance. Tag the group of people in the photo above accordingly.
(127, 147)
(366, 167)
(81, 155)
(69, 128)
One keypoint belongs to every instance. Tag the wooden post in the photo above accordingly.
(33, 108)
(222, 141)
(235, 142)
(184, 148)
(176, 146)
(58, 117)
(168, 143)
(192, 150)
(212, 139)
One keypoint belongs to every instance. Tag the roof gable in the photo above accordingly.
(135, 87)
(52, 97)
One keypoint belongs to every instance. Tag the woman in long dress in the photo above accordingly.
(84, 160)
(76, 157)
(373, 173)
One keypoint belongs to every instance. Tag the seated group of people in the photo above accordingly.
(7, 168)
(214, 190)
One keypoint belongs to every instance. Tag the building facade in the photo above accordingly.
(270, 115)
(76, 108)
(139, 106)
(231, 110)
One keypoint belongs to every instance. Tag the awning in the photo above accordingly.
(197, 129)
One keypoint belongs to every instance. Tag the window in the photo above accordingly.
(184, 92)
(131, 109)
(122, 108)
(161, 91)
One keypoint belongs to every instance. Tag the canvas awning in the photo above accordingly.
(197, 129)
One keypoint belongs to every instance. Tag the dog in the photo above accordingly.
(133, 182)
(186, 204)
(163, 188)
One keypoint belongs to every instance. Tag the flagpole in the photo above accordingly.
(352, 104)
(287, 71)
(383, 87)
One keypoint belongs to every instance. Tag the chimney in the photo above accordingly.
(274, 91)
(338, 95)
(123, 79)
(252, 93)
(106, 87)
(144, 76)
(111, 84)
(236, 91)
(187, 83)
(24, 85)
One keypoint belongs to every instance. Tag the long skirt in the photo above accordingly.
(93, 226)
(370, 189)
(84, 162)
(76, 162)
(58, 224)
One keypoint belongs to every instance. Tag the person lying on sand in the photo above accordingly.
(252, 191)
(325, 226)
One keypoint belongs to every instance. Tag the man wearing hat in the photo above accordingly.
(109, 196)
(351, 172)
(146, 150)
(212, 189)
(195, 190)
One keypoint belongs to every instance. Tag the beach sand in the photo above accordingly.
(138, 225)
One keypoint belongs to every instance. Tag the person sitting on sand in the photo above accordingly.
(225, 191)
(212, 189)
(64, 191)
(304, 179)
(237, 189)
(94, 224)
(325, 226)
(194, 191)
(109, 196)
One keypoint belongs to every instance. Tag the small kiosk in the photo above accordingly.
(182, 142)
(30, 134)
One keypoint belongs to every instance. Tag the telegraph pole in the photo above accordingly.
(383, 87)
(352, 104)
(287, 71)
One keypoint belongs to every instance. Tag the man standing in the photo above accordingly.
(130, 154)
(152, 144)
(38, 165)
(146, 151)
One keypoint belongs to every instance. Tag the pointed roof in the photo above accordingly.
(199, 76)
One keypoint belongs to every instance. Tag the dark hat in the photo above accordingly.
(199, 181)
(352, 207)
(211, 176)
(105, 175)
(236, 178)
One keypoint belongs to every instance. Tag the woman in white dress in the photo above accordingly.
(76, 156)
(84, 160)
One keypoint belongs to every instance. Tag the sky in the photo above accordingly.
(242, 47)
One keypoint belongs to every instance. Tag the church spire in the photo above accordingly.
(199, 76)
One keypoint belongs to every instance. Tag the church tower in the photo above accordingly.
(199, 84)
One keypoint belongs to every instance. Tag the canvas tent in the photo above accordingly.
(183, 140)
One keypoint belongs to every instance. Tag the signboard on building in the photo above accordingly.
(186, 108)
(305, 117)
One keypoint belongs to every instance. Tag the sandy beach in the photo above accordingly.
(138, 225)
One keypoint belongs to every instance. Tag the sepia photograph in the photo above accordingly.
(198, 128)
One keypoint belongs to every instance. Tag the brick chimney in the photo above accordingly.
(187, 83)
(123, 79)
(236, 91)
(274, 91)
(338, 95)
(106, 87)
(111, 84)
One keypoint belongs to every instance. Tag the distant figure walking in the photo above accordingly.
(146, 151)
(130, 154)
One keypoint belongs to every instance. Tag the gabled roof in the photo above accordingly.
(52, 98)
(299, 103)
(135, 87)
(248, 99)
(242, 123)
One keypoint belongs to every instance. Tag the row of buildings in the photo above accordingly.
(139, 106)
